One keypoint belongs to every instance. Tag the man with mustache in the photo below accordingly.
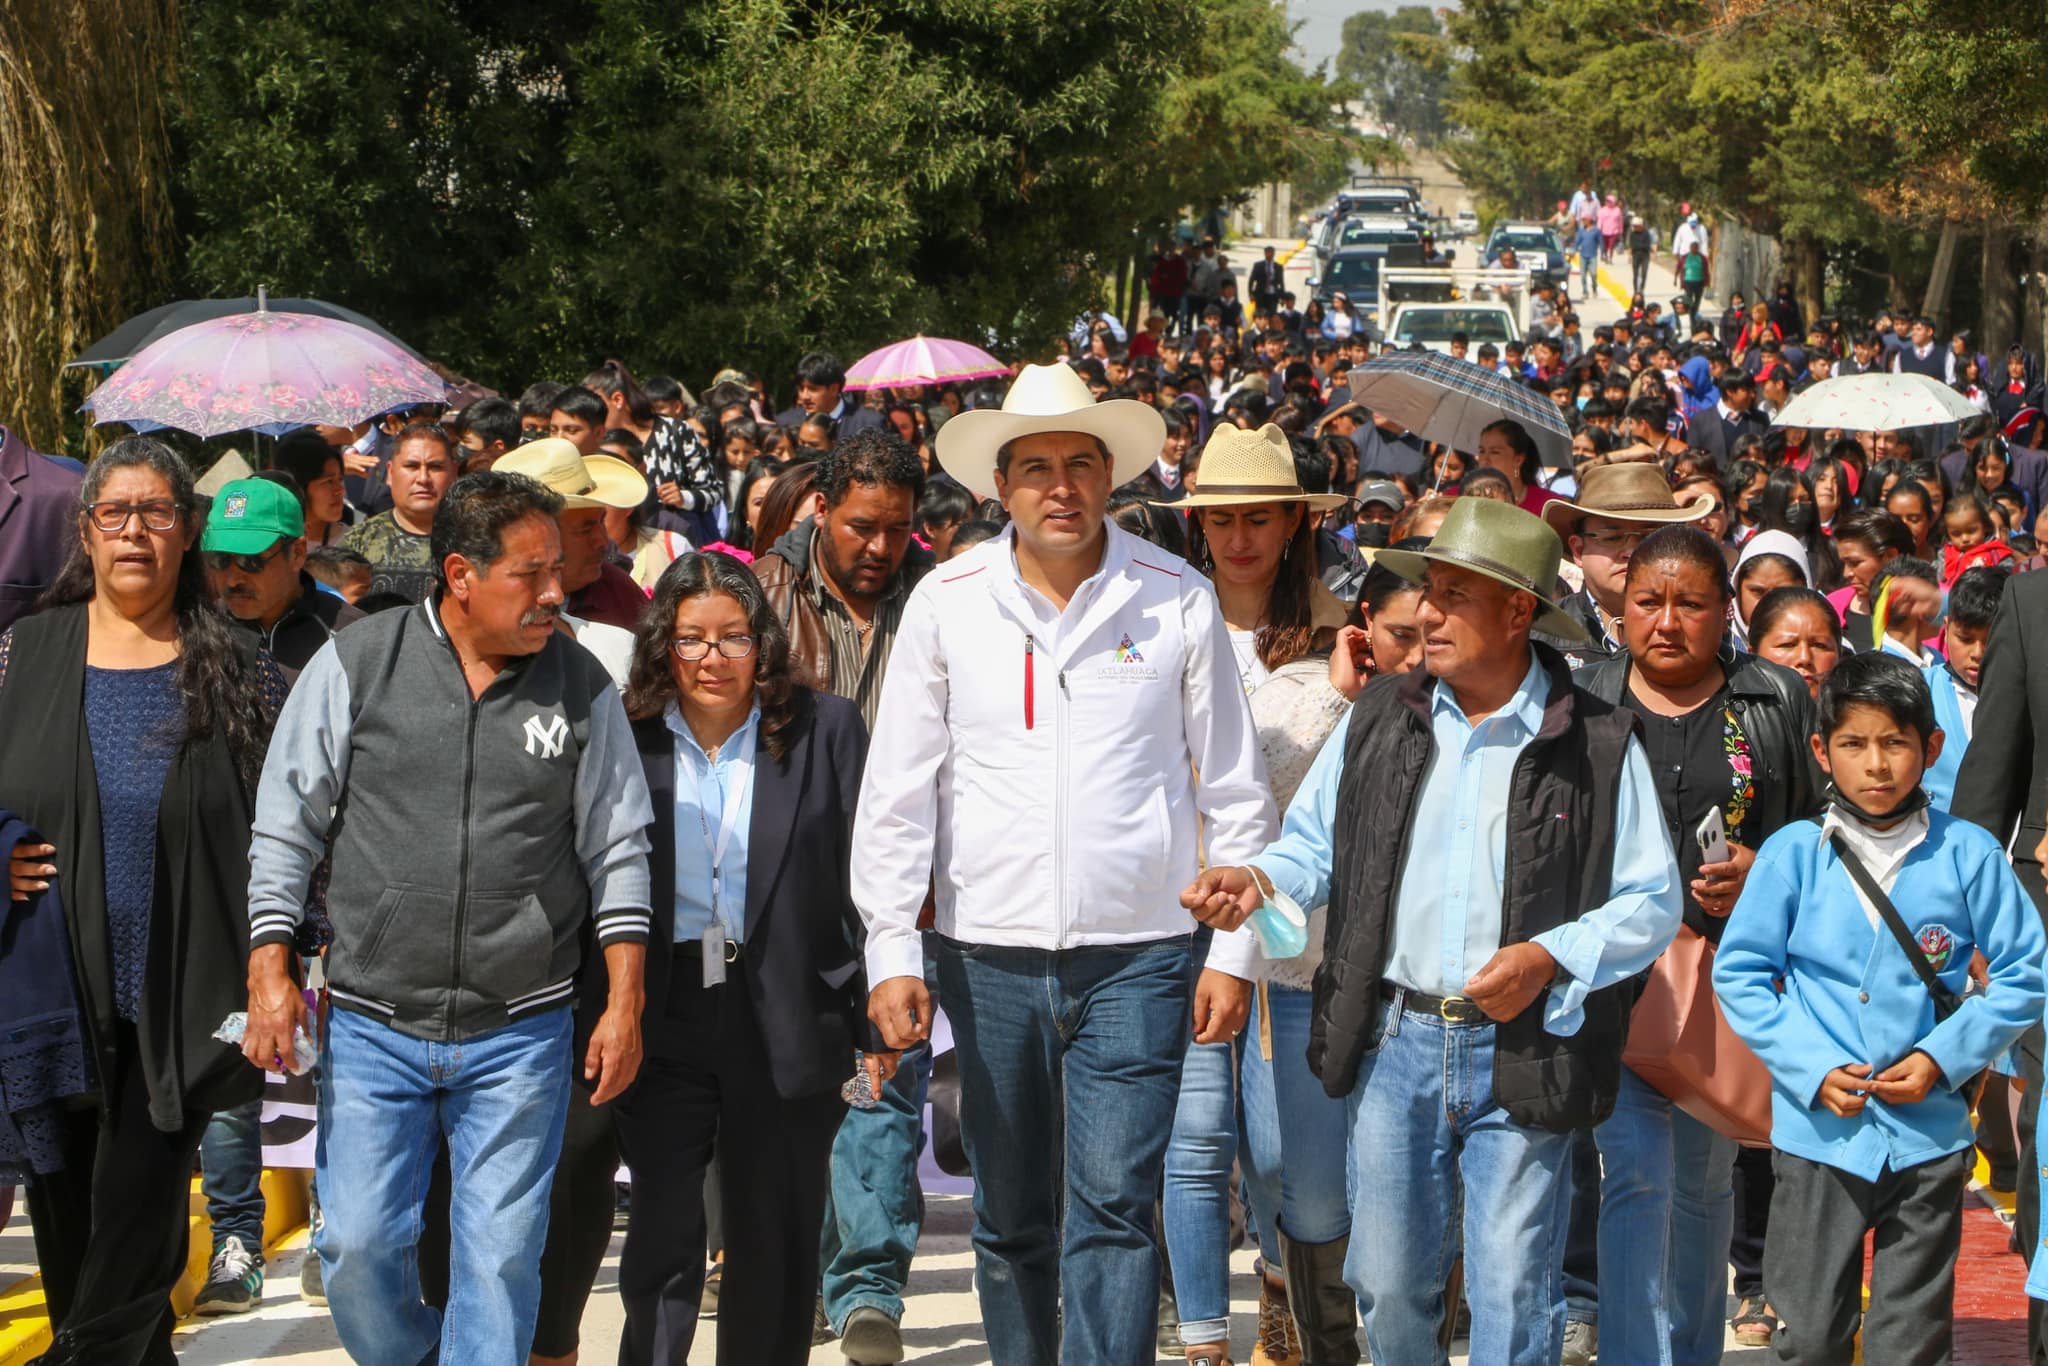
(471, 777)
(840, 582)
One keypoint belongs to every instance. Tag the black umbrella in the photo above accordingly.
(139, 331)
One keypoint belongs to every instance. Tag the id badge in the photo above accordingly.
(714, 953)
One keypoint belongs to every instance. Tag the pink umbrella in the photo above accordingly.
(922, 360)
(264, 370)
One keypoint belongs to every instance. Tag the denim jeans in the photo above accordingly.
(1430, 1150)
(231, 1175)
(1098, 1033)
(874, 1210)
(1702, 1221)
(386, 1101)
(1199, 1156)
(1294, 1134)
(1618, 1251)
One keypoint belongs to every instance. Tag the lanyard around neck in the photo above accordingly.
(737, 787)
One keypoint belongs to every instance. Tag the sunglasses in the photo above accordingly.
(220, 561)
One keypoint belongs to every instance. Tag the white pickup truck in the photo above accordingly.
(1433, 324)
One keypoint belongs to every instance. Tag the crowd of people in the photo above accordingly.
(1286, 811)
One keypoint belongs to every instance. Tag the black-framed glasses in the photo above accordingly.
(694, 648)
(158, 514)
(220, 561)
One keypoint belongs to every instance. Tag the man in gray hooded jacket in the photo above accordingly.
(471, 774)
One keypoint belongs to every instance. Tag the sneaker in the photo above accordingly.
(871, 1338)
(1754, 1324)
(707, 1305)
(1278, 1344)
(821, 1327)
(1581, 1344)
(1214, 1356)
(312, 1282)
(234, 1280)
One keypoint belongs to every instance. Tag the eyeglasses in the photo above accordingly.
(219, 561)
(692, 648)
(157, 515)
(1613, 540)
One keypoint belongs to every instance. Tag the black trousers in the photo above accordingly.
(706, 1082)
(110, 1228)
(1753, 1186)
(1813, 1265)
(579, 1224)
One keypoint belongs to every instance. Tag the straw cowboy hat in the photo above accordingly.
(584, 481)
(1505, 544)
(1240, 467)
(1049, 398)
(1630, 492)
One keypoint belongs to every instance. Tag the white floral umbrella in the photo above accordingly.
(1878, 402)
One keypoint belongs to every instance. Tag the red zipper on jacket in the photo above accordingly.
(1030, 688)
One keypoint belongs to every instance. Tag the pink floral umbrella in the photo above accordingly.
(922, 360)
(264, 370)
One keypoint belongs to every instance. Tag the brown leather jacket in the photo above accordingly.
(786, 578)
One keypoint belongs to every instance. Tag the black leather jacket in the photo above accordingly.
(1776, 712)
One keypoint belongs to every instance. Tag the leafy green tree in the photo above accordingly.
(1402, 66)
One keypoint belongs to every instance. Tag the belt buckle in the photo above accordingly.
(1455, 1010)
(732, 950)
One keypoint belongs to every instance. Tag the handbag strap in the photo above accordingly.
(1874, 894)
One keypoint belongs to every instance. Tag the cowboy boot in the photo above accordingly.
(1324, 1307)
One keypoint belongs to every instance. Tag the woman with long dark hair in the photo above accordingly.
(133, 725)
(756, 993)
(1254, 536)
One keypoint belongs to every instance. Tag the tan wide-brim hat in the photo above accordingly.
(584, 481)
(1628, 492)
(1505, 544)
(1049, 398)
(1241, 467)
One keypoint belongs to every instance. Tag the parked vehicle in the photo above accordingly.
(1433, 324)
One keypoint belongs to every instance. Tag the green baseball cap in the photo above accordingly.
(249, 516)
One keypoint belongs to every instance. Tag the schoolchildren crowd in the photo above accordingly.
(1296, 820)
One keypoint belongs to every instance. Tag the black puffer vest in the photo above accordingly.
(1560, 853)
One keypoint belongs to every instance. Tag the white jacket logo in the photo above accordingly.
(546, 736)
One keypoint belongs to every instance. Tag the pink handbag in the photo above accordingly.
(1681, 1044)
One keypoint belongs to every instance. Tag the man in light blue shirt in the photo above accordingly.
(1495, 863)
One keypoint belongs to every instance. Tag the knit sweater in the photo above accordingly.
(1295, 710)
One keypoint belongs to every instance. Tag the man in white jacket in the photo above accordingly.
(1052, 697)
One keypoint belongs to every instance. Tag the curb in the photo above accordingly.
(1282, 258)
(24, 1317)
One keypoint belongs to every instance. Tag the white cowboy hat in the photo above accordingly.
(1049, 398)
(1241, 467)
(584, 481)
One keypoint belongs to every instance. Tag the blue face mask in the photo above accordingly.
(1582, 400)
(1279, 926)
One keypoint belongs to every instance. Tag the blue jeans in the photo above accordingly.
(386, 1101)
(1702, 1221)
(1099, 1033)
(1621, 1227)
(874, 1210)
(1199, 1155)
(1294, 1155)
(1430, 1150)
(231, 1175)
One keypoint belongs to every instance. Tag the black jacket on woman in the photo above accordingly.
(801, 925)
(1776, 713)
(198, 949)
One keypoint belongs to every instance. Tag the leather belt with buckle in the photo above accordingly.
(694, 948)
(1458, 1010)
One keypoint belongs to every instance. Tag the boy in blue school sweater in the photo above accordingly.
(1868, 1130)
(1972, 602)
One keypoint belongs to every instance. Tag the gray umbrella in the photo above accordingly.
(1444, 399)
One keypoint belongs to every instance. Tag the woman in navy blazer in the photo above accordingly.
(755, 992)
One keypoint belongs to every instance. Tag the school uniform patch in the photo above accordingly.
(1938, 944)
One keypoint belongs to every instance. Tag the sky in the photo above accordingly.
(1322, 23)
